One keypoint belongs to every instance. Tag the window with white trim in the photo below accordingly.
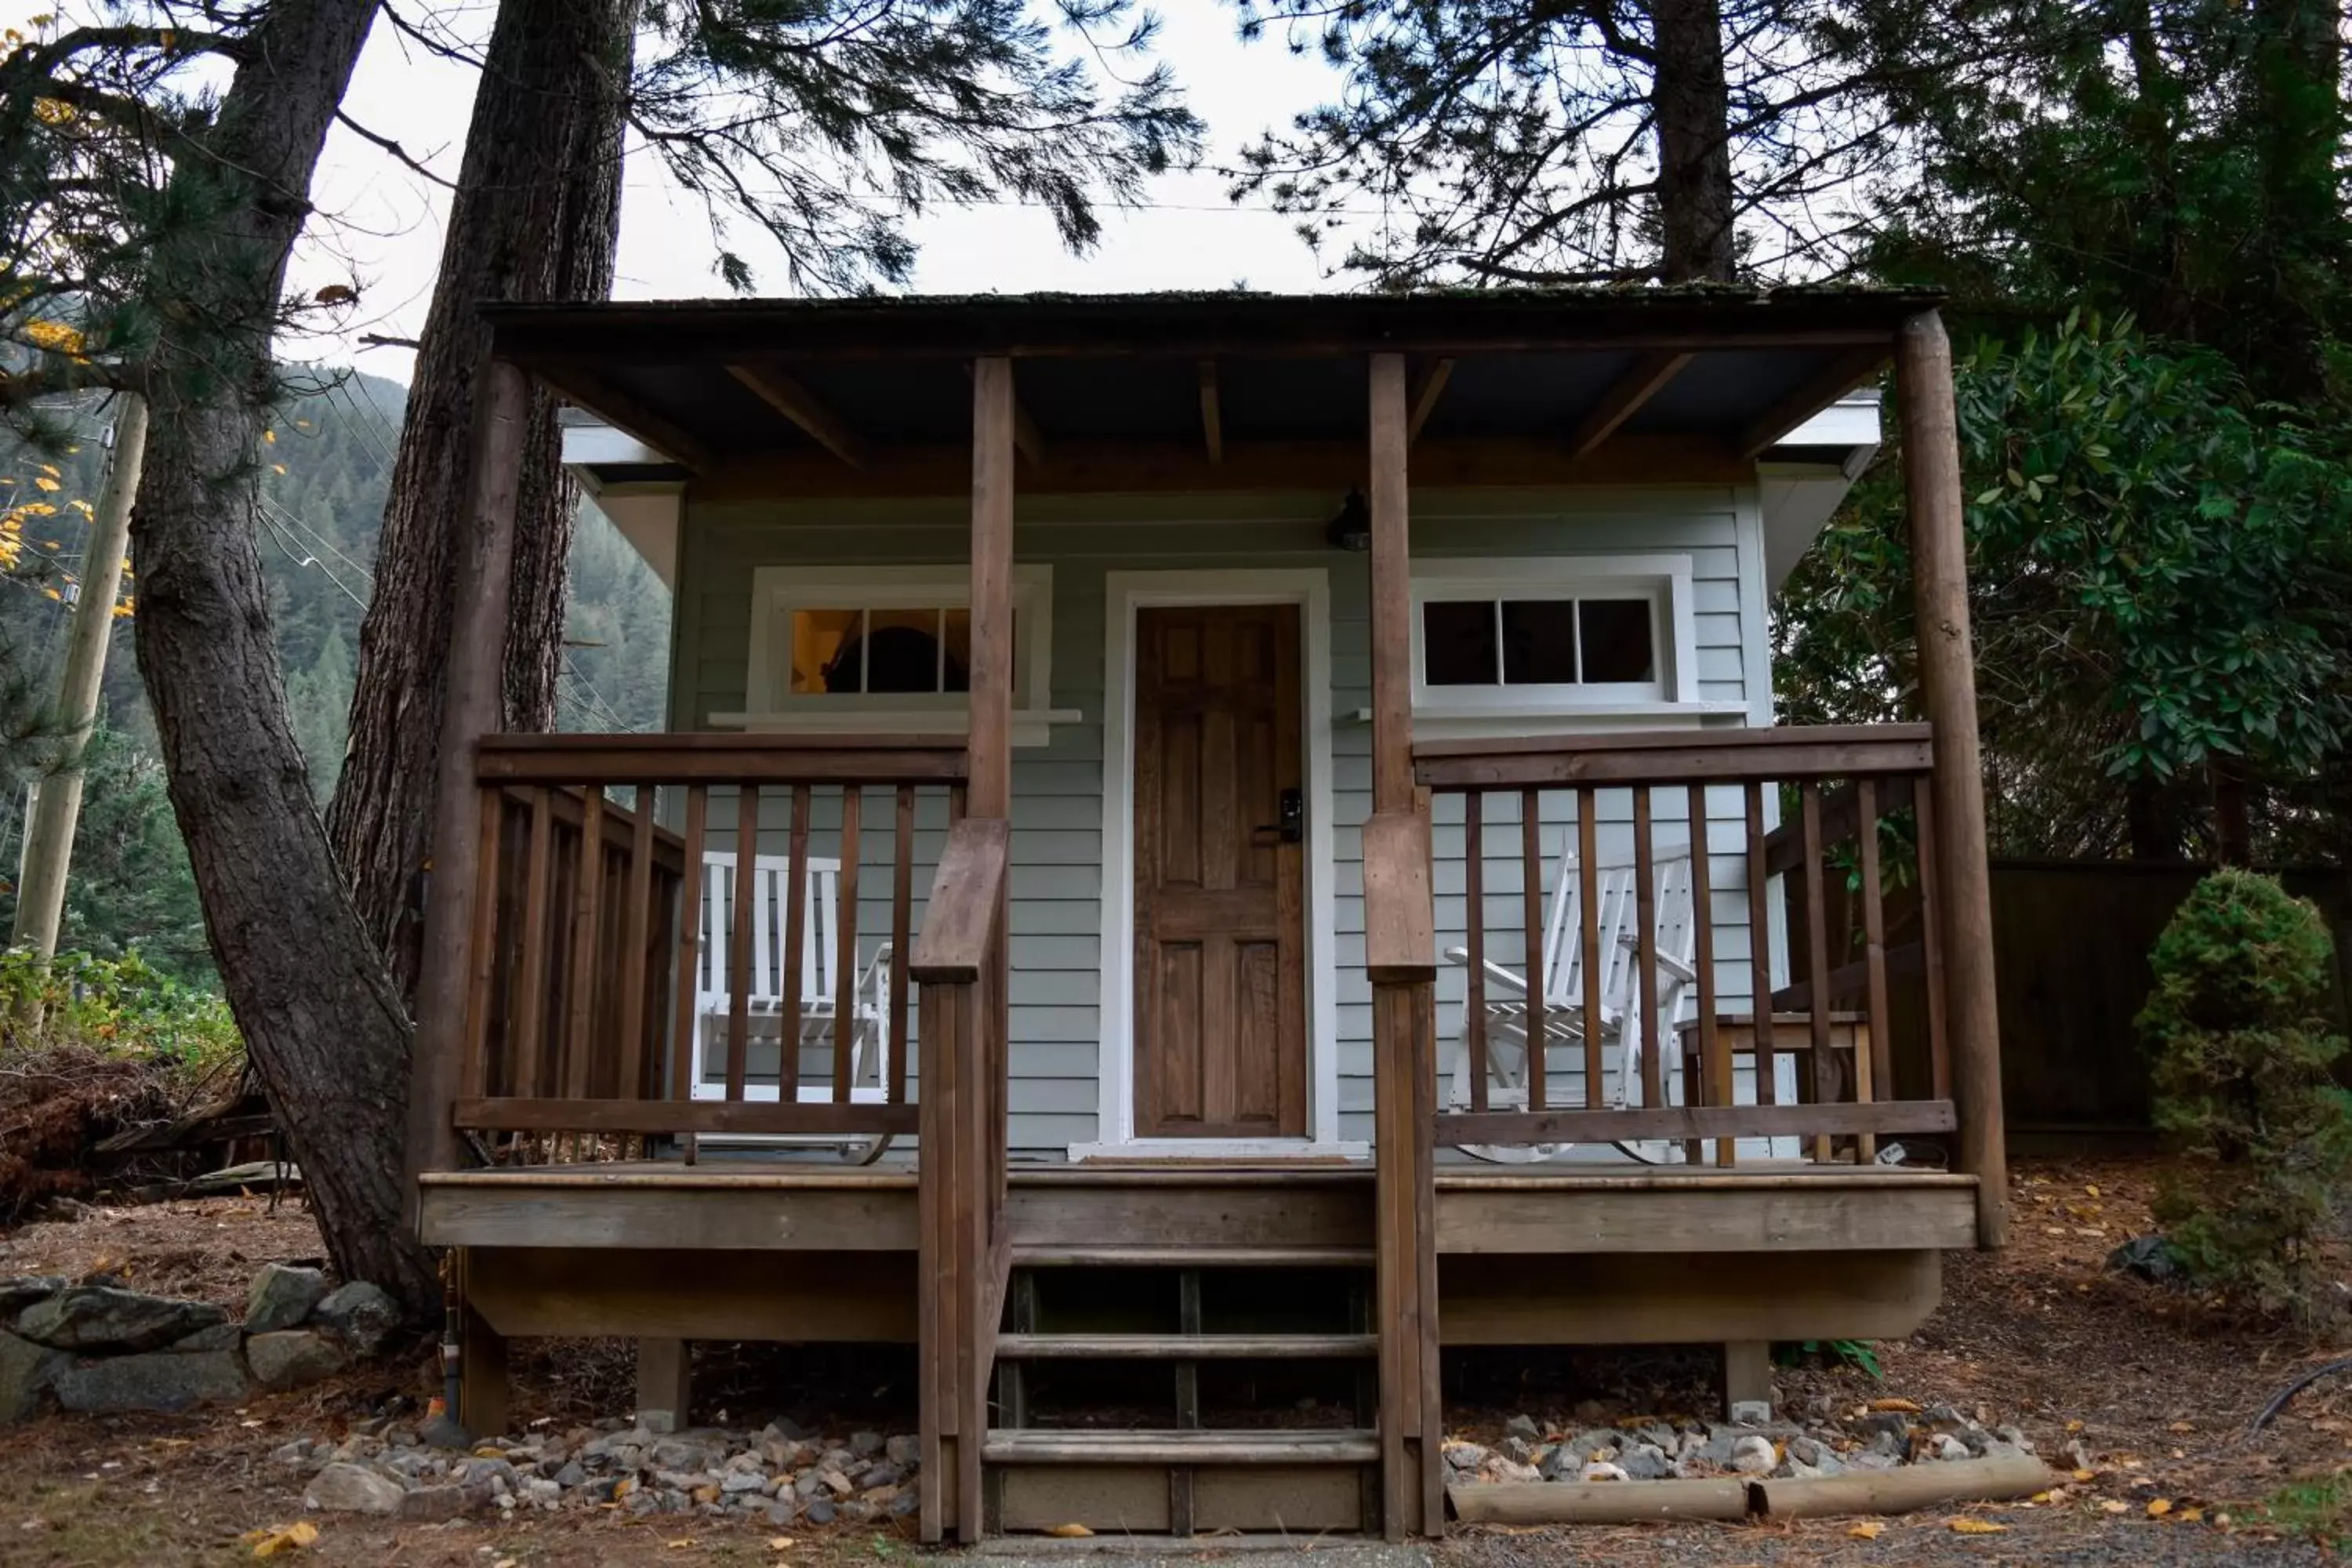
(837, 642)
(1552, 634)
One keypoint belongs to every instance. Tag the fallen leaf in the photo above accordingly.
(2040, 1497)
(1868, 1530)
(2159, 1507)
(279, 1538)
(505, 1562)
(2092, 1188)
(2074, 1426)
(1069, 1531)
(2184, 1426)
(1905, 1407)
(2191, 1516)
(2116, 1505)
(1977, 1527)
(681, 1544)
(624, 1487)
(780, 1542)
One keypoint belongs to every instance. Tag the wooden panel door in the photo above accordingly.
(1220, 931)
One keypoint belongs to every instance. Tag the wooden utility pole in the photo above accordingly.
(49, 834)
(1948, 689)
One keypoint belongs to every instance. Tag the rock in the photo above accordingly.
(291, 1358)
(164, 1380)
(1944, 1446)
(885, 1474)
(1646, 1462)
(1753, 1454)
(2015, 1437)
(2148, 1258)
(906, 1503)
(353, 1488)
(738, 1482)
(1520, 1451)
(440, 1432)
(1502, 1469)
(785, 1510)
(20, 1291)
(27, 1371)
(102, 1318)
(904, 1451)
(1887, 1422)
(1807, 1450)
(359, 1314)
(857, 1510)
(438, 1505)
(295, 1453)
(1524, 1427)
(281, 1296)
(220, 1337)
(836, 1483)
(865, 1444)
(572, 1474)
(1598, 1472)
(1598, 1444)
(1559, 1463)
(817, 1511)
(682, 1453)
(1466, 1456)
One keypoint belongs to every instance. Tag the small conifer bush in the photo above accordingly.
(2242, 1075)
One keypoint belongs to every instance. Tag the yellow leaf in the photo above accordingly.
(270, 436)
(277, 467)
(2191, 1516)
(2074, 1426)
(781, 1544)
(1904, 1406)
(2159, 1507)
(2184, 1426)
(2040, 1497)
(680, 1544)
(1069, 1531)
(278, 1538)
(2116, 1505)
(1977, 1527)
(43, 482)
(1868, 1530)
(622, 1489)
(2083, 1474)
(2093, 1189)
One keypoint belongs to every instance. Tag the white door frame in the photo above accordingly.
(1125, 593)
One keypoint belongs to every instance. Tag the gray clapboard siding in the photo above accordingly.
(1057, 842)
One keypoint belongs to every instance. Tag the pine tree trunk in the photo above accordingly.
(537, 217)
(322, 1020)
(1692, 108)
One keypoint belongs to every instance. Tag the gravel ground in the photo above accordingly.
(1925, 1542)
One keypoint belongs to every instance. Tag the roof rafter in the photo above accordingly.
(617, 409)
(803, 408)
(1212, 429)
(1643, 380)
(1421, 398)
(1811, 395)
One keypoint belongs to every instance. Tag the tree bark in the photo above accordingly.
(1693, 109)
(321, 1021)
(536, 216)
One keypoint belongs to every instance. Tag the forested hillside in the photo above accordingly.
(330, 454)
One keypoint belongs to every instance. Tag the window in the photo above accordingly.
(1551, 635)
(832, 643)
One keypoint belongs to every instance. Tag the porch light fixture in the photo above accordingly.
(1351, 527)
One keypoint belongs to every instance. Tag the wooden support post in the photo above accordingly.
(1748, 1381)
(663, 1385)
(481, 1364)
(990, 791)
(1391, 605)
(476, 663)
(1939, 587)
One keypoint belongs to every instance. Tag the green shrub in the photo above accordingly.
(2241, 1070)
(119, 1005)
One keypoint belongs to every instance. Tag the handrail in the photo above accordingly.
(1790, 753)
(955, 942)
(703, 758)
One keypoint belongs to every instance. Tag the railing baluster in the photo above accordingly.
(1931, 940)
(587, 925)
(1714, 1059)
(738, 957)
(1588, 894)
(635, 947)
(1817, 955)
(1473, 891)
(902, 907)
(1645, 949)
(844, 962)
(796, 912)
(530, 986)
(1759, 957)
(1874, 1070)
(482, 952)
(1531, 918)
(693, 889)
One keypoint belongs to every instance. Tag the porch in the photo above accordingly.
(622, 1133)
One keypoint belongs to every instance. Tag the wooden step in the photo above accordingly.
(1186, 1347)
(1316, 1446)
(1059, 1256)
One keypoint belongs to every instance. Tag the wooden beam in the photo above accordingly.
(701, 1220)
(1644, 379)
(591, 391)
(996, 432)
(704, 1116)
(1680, 1123)
(1948, 689)
(1428, 386)
(476, 658)
(1091, 468)
(803, 408)
(1026, 439)
(1839, 376)
(1391, 605)
(1212, 427)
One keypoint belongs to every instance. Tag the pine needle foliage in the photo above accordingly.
(2243, 1062)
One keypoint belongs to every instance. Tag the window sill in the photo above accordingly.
(1031, 726)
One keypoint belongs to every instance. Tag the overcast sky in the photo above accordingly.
(383, 224)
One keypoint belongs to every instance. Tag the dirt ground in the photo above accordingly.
(2156, 1387)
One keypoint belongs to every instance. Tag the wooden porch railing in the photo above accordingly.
(1838, 785)
(587, 1002)
(965, 1247)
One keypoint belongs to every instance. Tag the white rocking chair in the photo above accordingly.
(1563, 991)
(715, 997)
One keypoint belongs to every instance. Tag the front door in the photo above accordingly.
(1220, 911)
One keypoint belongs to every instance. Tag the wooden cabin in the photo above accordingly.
(1209, 847)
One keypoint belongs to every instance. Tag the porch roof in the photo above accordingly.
(1589, 376)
